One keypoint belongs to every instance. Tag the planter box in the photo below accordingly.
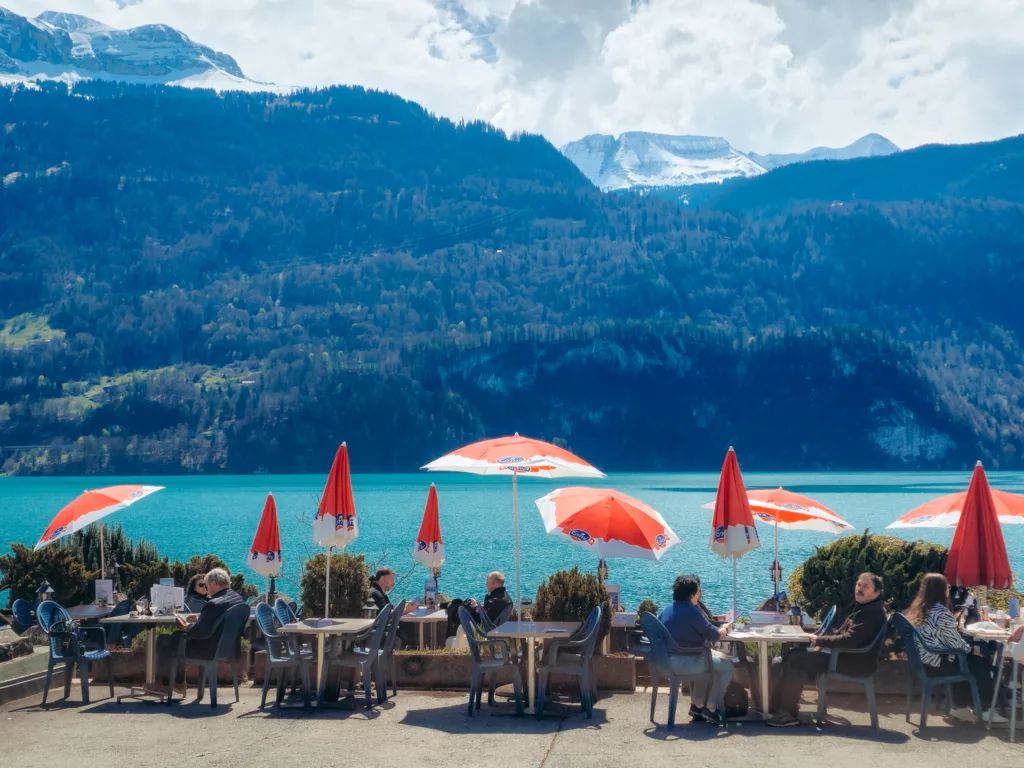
(442, 670)
(129, 668)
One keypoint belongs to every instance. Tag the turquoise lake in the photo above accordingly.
(196, 515)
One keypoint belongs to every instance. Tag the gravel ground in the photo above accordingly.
(419, 729)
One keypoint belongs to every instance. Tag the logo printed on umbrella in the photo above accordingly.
(511, 460)
(582, 536)
(660, 541)
(746, 530)
(792, 506)
(421, 545)
(765, 516)
(720, 533)
(255, 554)
(515, 468)
(271, 555)
(924, 518)
(57, 533)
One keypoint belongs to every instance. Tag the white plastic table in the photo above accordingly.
(765, 636)
(531, 631)
(433, 617)
(1002, 637)
(322, 629)
(151, 623)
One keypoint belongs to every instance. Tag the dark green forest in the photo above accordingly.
(194, 282)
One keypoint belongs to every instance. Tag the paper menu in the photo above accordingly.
(104, 591)
(166, 600)
(614, 593)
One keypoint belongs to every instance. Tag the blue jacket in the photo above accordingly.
(688, 625)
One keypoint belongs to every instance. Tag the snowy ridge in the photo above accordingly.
(70, 48)
(639, 160)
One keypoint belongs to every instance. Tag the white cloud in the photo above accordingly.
(769, 75)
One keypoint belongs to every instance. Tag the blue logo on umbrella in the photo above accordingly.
(720, 533)
(270, 556)
(57, 533)
(660, 540)
(421, 545)
(579, 535)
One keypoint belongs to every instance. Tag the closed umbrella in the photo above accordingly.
(732, 530)
(790, 511)
(90, 507)
(335, 524)
(977, 556)
(265, 553)
(606, 522)
(514, 456)
(429, 548)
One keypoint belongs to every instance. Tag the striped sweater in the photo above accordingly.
(938, 630)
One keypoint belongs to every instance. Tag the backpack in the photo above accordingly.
(736, 702)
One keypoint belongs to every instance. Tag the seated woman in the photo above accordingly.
(936, 626)
(196, 593)
(690, 628)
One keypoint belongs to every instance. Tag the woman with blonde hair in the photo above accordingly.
(936, 629)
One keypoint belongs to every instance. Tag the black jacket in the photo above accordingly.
(494, 604)
(858, 631)
(379, 596)
(204, 635)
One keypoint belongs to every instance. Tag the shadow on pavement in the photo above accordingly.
(501, 719)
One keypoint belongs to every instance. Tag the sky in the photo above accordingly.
(768, 75)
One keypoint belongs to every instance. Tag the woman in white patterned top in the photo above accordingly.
(936, 629)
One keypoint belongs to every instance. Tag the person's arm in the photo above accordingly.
(709, 631)
(206, 624)
(945, 630)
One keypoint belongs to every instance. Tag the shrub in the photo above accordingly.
(827, 577)
(350, 585)
(139, 641)
(648, 606)
(137, 579)
(24, 570)
(571, 596)
(183, 572)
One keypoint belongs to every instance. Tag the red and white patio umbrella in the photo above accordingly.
(265, 553)
(429, 548)
(732, 529)
(514, 456)
(790, 511)
(335, 524)
(91, 507)
(977, 557)
(606, 523)
(944, 512)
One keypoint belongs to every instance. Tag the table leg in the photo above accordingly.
(1013, 706)
(321, 672)
(151, 655)
(433, 634)
(762, 653)
(995, 690)
(531, 677)
(421, 634)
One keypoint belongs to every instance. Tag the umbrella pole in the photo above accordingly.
(327, 587)
(103, 558)
(515, 519)
(735, 612)
(776, 568)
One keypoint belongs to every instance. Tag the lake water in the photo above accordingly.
(197, 515)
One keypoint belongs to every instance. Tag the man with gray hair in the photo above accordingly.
(202, 631)
(495, 602)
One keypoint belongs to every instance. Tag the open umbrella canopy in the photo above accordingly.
(977, 556)
(92, 506)
(514, 455)
(265, 555)
(429, 548)
(791, 511)
(944, 512)
(732, 530)
(606, 522)
(335, 523)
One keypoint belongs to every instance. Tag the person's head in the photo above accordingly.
(385, 578)
(495, 579)
(934, 590)
(197, 585)
(217, 580)
(686, 589)
(867, 588)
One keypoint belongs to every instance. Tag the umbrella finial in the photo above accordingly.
(978, 463)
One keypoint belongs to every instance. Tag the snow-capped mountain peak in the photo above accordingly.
(70, 47)
(871, 145)
(640, 159)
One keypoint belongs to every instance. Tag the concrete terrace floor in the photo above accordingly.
(432, 729)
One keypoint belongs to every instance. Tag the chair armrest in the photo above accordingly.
(102, 632)
(498, 643)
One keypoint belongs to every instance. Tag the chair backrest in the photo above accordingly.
(909, 634)
(660, 641)
(392, 633)
(59, 627)
(285, 613)
(485, 621)
(232, 625)
(123, 608)
(473, 632)
(50, 613)
(380, 627)
(590, 630)
(826, 623)
(22, 610)
(267, 621)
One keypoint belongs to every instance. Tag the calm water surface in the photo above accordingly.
(196, 515)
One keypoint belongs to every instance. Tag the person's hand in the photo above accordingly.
(814, 641)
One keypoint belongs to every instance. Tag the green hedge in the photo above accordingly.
(571, 596)
(350, 585)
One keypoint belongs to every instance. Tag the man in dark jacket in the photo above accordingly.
(495, 602)
(382, 582)
(858, 631)
(202, 632)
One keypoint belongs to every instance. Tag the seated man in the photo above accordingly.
(202, 632)
(383, 582)
(495, 602)
(858, 631)
(689, 626)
